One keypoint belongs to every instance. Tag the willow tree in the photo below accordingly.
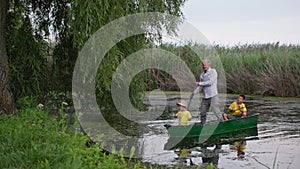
(88, 16)
(73, 22)
(25, 25)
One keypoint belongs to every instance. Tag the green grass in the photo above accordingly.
(35, 140)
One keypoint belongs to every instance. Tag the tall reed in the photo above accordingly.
(260, 69)
(267, 69)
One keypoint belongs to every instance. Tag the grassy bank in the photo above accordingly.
(35, 140)
(260, 69)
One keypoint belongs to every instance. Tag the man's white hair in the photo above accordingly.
(206, 60)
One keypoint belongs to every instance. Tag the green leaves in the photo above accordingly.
(33, 140)
(27, 58)
(38, 66)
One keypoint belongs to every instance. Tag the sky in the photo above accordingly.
(233, 22)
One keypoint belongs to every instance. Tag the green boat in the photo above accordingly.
(213, 128)
(220, 139)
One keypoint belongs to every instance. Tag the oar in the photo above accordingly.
(189, 102)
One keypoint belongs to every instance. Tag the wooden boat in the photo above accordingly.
(226, 138)
(212, 133)
(213, 128)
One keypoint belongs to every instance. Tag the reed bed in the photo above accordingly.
(257, 69)
(267, 69)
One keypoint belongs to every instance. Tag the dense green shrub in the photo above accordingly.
(35, 140)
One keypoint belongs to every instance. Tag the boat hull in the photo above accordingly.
(213, 128)
(217, 139)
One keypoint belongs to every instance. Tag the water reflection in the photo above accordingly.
(207, 156)
(210, 156)
(239, 147)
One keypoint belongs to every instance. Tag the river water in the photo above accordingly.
(277, 144)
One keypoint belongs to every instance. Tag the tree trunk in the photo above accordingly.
(7, 104)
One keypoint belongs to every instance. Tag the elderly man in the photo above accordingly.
(208, 83)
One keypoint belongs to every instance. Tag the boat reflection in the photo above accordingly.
(203, 156)
(239, 146)
(195, 151)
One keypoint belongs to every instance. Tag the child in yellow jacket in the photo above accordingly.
(236, 109)
(183, 115)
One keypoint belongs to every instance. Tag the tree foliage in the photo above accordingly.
(38, 66)
(30, 55)
(88, 16)
(27, 60)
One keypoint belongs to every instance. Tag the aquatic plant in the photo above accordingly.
(264, 69)
(260, 69)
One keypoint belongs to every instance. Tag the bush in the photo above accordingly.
(35, 140)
